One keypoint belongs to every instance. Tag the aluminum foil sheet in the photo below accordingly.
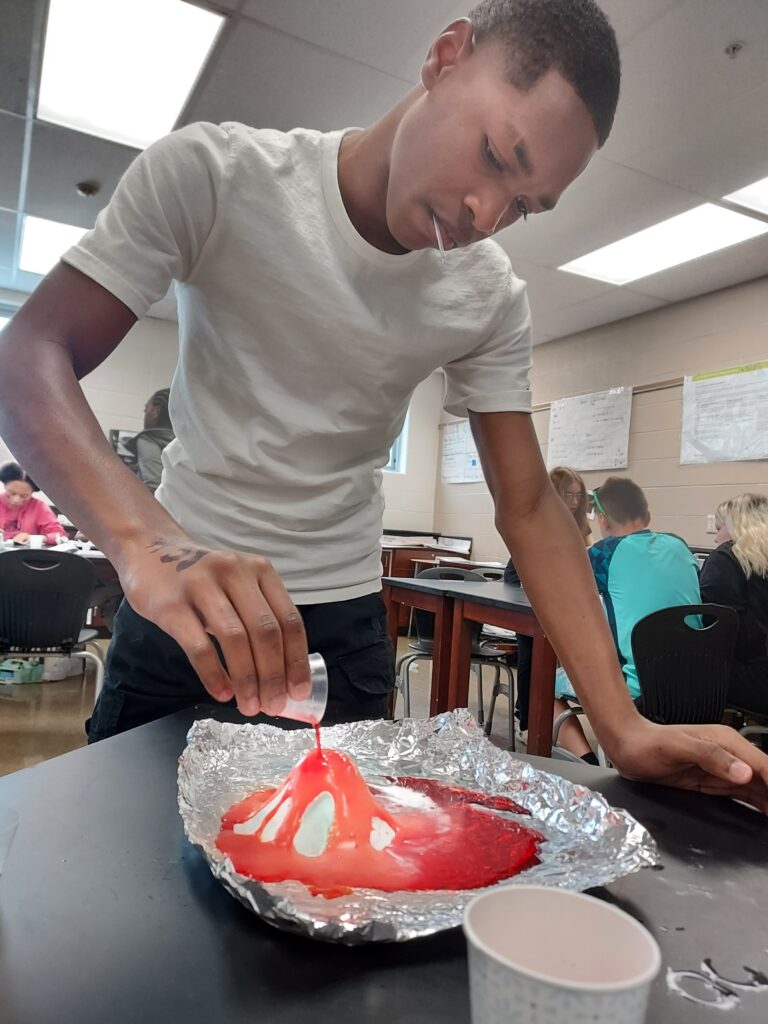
(589, 843)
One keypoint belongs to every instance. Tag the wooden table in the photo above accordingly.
(459, 604)
(109, 915)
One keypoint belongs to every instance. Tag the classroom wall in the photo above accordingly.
(410, 496)
(144, 361)
(712, 332)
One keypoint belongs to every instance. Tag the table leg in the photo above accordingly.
(442, 658)
(461, 655)
(543, 665)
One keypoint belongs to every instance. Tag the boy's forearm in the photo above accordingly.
(549, 555)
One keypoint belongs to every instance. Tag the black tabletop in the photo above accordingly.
(107, 914)
(492, 592)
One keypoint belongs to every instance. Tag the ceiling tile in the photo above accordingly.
(7, 238)
(677, 79)
(60, 159)
(615, 305)
(267, 79)
(549, 290)
(392, 36)
(17, 18)
(11, 149)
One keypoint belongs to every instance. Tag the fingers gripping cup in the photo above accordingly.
(312, 708)
(538, 955)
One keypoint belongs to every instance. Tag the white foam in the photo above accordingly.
(275, 822)
(311, 837)
(382, 834)
(253, 824)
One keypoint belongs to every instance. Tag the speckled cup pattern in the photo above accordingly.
(500, 995)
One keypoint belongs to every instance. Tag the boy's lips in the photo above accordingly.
(448, 239)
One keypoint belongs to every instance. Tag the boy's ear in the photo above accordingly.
(453, 45)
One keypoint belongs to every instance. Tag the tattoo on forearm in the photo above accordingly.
(184, 558)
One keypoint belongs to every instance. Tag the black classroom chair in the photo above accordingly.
(44, 600)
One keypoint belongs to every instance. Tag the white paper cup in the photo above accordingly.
(538, 955)
(312, 708)
(9, 821)
(37, 540)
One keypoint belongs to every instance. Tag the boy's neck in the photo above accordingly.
(363, 175)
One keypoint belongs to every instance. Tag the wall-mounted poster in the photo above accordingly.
(590, 431)
(725, 415)
(459, 461)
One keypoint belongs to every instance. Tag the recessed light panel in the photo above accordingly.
(754, 197)
(43, 242)
(700, 231)
(122, 69)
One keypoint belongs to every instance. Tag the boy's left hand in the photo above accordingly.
(708, 758)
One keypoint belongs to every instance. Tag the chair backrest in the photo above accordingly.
(683, 671)
(425, 621)
(489, 573)
(44, 598)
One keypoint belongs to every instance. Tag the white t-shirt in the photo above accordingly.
(300, 343)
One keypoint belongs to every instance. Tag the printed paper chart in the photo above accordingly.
(459, 461)
(725, 415)
(590, 431)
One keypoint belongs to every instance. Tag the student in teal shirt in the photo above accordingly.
(638, 571)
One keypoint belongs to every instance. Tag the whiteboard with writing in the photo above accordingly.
(725, 416)
(459, 461)
(590, 431)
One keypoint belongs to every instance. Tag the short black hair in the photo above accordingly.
(161, 399)
(572, 37)
(11, 471)
(622, 500)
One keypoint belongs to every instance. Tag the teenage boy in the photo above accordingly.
(312, 301)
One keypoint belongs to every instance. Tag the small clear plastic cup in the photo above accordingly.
(37, 540)
(312, 708)
(9, 822)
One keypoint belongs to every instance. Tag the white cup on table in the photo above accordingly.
(37, 540)
(538, 955)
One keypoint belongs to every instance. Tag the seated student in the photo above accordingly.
(570, 486)
(736, 574)
(149, 443)
(21, 515)
(638, 571)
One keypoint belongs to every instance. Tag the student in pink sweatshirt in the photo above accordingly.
(21, 515)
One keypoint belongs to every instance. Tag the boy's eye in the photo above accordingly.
(491, 157)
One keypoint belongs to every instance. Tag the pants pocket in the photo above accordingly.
(368, 673)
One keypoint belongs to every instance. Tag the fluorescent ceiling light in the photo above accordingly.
(754, 196)
(43, 242)
(700, 231)
(3, 321)
(122, 69)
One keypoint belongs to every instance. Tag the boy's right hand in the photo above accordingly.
(194, 593)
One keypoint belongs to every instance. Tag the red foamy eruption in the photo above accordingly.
(326, 828)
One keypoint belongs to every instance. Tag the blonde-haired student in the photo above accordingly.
(736, 574)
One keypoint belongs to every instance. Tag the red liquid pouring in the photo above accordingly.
(327, 828)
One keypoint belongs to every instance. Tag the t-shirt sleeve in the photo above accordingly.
(159, 218)
(494, 376)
